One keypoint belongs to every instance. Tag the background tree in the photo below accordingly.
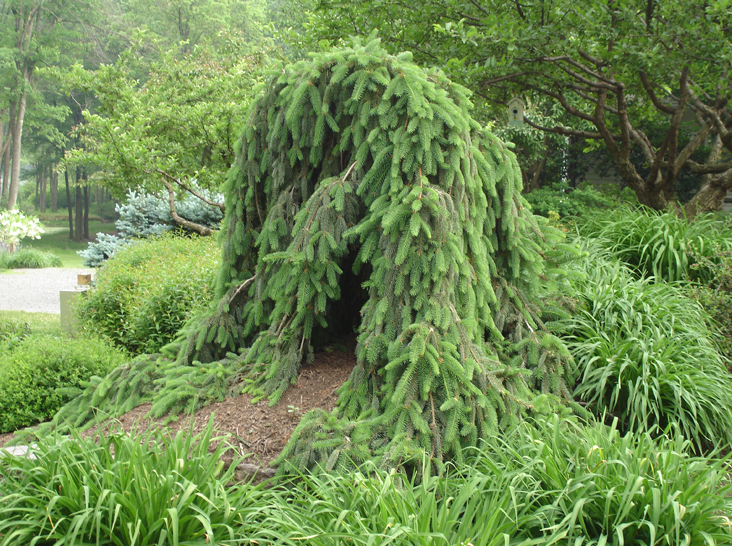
(610, 65)
(174, 132)
(32, 34)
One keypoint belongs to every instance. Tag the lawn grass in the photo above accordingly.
(40, 323)
(56, 240)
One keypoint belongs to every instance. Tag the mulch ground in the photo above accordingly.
(256, 429)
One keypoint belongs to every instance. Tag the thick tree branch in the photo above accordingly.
(722, 131)
(652, 94)
(645, 144)
(703, 168)
(566, 131)
(220, 206)
(198, 228)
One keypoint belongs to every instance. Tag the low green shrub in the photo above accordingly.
(660, 244)
(143, 296)
(34, 374)
(29, 258)
(118, 490)
(646, 354)
(12, 333)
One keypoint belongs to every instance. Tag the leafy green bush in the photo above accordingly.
(143, 296)
(117, 489)
(29, 258)
(660, 244)
(646, 354)
(554, 483)
(34, 374)
(568, 201)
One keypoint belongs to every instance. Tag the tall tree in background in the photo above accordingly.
(32, 33)
(610, 65)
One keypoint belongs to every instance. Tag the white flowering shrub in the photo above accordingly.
(14, 226)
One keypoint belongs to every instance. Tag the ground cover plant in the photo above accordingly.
(39, 373)
(142, 297)
(38, 323)
(547, 482)
(116, 489)
(552, 481)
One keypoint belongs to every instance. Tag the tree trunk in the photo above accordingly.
(4, 188)
(86, 208)
(42, 180)
(68, 204)
(17, 138)
(711, 194)
(53, 175)
(79, 220)
(6, 165)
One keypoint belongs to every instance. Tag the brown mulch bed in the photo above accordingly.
(256, 429)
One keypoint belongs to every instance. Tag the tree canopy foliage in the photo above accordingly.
(175, 131)
(611, 66)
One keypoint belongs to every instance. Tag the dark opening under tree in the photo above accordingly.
(365, 198)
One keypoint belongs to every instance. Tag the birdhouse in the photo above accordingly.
(516, 111)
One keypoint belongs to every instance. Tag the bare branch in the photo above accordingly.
(652, 95)
(599, 63)
(579, 77)
(611, 84)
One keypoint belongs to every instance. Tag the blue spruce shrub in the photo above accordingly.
(145, 215)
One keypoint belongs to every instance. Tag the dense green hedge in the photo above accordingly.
(142, 296)
(34, 374)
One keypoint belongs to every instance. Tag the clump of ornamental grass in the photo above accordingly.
(115, 489)
(552, 481)
(29, 258)
(660, 244)
(646, 354)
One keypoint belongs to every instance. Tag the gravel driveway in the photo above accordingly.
(36, 290)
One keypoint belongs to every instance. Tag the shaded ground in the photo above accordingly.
(258, 429)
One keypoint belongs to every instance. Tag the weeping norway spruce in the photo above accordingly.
(364, 198)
